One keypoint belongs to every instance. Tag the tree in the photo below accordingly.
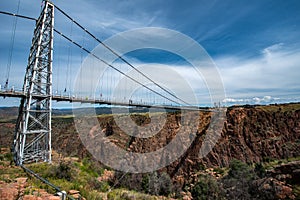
(207, 187)
(238, 181)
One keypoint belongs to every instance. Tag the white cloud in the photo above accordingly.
(232, 100)
(273, 48)
(254, 100)
(274, 73)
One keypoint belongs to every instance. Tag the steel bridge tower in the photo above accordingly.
(32, 139)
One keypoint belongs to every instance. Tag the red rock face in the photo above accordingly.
(251, 134)
(270, 188)
(8, 192)
(15, 190)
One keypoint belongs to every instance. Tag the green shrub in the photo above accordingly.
(219, 171)
(91, 195)
(101, 186)
(207, 188)
(8, 157)
(121, 194)
(145, 183)
(238, 181)
(61, 171)
(64, 171)
(238, 169)
(166, 184)
(260, 170)
(160, 184)
(88, 167)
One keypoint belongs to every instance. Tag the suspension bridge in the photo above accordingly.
(32, 139)
(74, 99)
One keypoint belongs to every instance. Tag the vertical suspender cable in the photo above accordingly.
(123, 59)
(58, 65)
(67, 85)
(71, 63)
(81, 61)
(12, 42)
(112, 67)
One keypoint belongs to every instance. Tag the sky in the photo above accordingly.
(255, 45)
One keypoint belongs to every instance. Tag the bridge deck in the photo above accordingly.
(68, 98)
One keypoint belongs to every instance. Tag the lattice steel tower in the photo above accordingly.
(32, 139)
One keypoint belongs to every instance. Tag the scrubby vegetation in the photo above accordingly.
(263, 139)
(94, 181)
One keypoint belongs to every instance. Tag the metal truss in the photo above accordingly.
(32, 139)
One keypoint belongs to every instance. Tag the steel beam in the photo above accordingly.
(32, 139)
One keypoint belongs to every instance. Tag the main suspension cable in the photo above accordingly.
(98, 58)
(119, 56)
(17, 15)
(108, 64)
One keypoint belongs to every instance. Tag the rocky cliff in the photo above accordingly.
(250, 133)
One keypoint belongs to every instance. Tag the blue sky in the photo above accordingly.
(256, 45)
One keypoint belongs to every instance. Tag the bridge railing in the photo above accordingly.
(63, 96)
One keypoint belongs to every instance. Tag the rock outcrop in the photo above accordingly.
(16, 190)
(288, 172)
(251, 135)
